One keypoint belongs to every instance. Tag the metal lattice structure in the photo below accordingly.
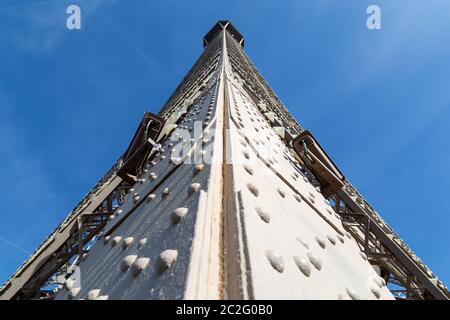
(220, 197)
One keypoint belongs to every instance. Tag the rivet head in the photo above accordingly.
(104, 297)
(118, 212)
(153, 175)
(297, 197)
(126, 242)
(199, 167)
(348, 235)
(74, 292)
(136, 198)
(69, 283)
(128, 261)
(331, 239)
(363, 255)
(376, 292)
(275, 260)
(252, 188)
(176, 160)
(281, 192)
(352, 294)
(303, 242)
(195, 187)
(303, 265)
(320, 241)
(139, 265)
(315, 260)
(167, 259)
(165, 192)
(248, 169)
(264, 215)
(341, 238)
(378, 281)
(179, 214)
(93, 294)
(142, 242)
(151, 196)
(111, 217)
(106, 239)
(116, 240)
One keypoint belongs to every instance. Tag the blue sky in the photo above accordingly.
(378, 101)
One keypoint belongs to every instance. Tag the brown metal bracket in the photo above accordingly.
(140, 147)
(317, 160)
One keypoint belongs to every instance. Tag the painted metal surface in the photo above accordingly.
(224, 209)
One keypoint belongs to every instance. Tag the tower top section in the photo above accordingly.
(223, 25)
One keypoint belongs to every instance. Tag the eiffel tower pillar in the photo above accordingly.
(227, 197)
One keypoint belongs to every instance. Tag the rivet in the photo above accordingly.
(153, 175)
(378, 281)
(167, 258)
(136, 198)
(352, 294)
(375, 292)
(74, 292)
(116, 240)
(139, 265)
(199, 167)
(315, 260)
(331, 239)
(151, 196)
(128, 261)
(105, 297)
(303, 265)
(111, 217)
(252, 188)
(303, 242)
(297, 197)
(142, 242)
(312, 200)
(165, 192)
(176, 160)
(363, 255)
(195, 187)
(275, 260)
(118, 212)
(93, 294)
(69, 283)
(341, 238)
(263, 215)
(179, 214)
(320, 242)
(106, 239)
(126, 242)
(348, 235)
(281, 192)
(248, 169)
